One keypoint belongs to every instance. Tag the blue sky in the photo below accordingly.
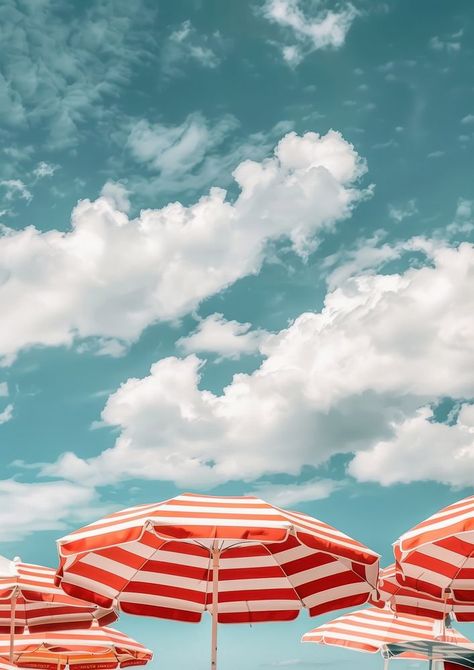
(235, 257)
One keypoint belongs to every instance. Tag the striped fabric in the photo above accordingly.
(372, 629)
(155, 560)
(404, 600)
(97, 648)
(437, 555)
(39, 603)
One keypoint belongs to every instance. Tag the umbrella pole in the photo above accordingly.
(215, 595)
(12, 625)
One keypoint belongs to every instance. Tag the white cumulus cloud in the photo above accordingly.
(228, 339)
(110, 277)
(342, 380)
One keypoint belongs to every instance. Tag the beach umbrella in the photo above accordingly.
(405, 600)
(435, 650)
(96, 648)
(437, 555)
(30, 597)
(239, 558)
(373, 630)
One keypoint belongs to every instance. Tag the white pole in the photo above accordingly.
(12, 624)
(215, 602)
(386, 663)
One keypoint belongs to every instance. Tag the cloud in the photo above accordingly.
(188, 157)
(3, 390)
(110, 277)
(468, 119)
(401, 212)
(310, 32)
(450, 44)
(173, 150)
(60, 67)
(186, 44)
(16, 189)
(337, 381)
(287, 495)
(228, 339)
(422, 449)
(44, 169)
(6, 414)
(27, 508)
(116, 195)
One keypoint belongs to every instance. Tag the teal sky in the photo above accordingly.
(309, 317)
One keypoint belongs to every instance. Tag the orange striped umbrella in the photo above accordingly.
(97, 648)
(437, 556)
(240, 558)
(405, 600)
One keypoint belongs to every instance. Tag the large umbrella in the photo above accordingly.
(96, 648)
(240, 558)
(29, 597)
(437, 555)
(405, 600)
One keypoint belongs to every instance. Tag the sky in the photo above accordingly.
(236, 257)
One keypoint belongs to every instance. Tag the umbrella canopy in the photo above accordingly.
(238, 557)
(97, 648)
(437, 555)
(373, 629)
(405, 600)
(29, 597)
(436, 650)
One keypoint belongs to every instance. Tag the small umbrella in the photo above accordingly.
(379, 630)
(240, 558)
(437, 556)
(405, 600)
(96, 648)
(29, 597)
(372, 629)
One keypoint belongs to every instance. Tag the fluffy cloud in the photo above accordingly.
(111, 277)
(27, 508)
(343, 380)
(228, 339)
(325, 29)
(422, 449)
(3, 390)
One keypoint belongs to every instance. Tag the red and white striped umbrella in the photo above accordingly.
(405, 600)
(97, 648)
(39, 603)
(240, 558)
(373, 629)
(30, 597)
(437, 555)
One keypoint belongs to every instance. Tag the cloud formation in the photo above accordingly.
(110, 277)
(227, 339)
(323, 29)
(355, 378)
